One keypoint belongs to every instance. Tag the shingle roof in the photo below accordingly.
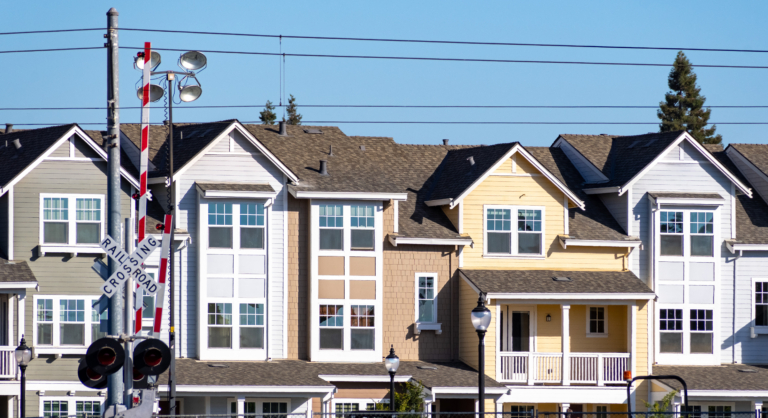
(685, 195)
(541, 281)
(616, 156)
(757, 154)
(125, 160)
(34, 142)
(723, 377)
(455, 174)
(15, 272)
(235, 187)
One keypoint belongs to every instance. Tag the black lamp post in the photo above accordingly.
(481, 320)
(23, 357)
(392, 362)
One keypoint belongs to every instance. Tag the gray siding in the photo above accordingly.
(4, 225)
(587, 170)
(689, 153)
(58, 274)
(62, 151)
(83, 150)
(748, 350)
(233, 167)
(617, 205)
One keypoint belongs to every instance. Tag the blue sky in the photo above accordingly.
(78, 78)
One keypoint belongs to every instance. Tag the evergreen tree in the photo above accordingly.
(683, 105)
(268, 116)
(294, 118)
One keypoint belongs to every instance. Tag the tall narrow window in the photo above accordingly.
(45, 322)
(761, 304)
(362, 333)
(88, 221)
(702, 234)
(96, 320)
(251, 325)
(596, 320)
(331, 327)
(55, 409)
(671, 327)
(55, 220)
(362, 223)
(528, 231)
(671, 228)
(252, 225)
(331, 227)
(427, 311)
(72, 316)
(499, 231)
(220, 225)
(274, 409)
(701, 331)
(88, 409)
(219, 325)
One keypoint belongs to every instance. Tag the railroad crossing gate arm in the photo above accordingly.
(663, 377)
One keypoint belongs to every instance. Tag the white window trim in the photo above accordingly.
(62, 349)
(513, 232)
(71, 246)
(756, 330)
(605, 322)
(426, 326)
(149, 322)
(71, 403)
(361, 403)
(260, 403)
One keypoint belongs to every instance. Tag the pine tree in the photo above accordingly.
(294, 118)
(268, 116)
(683, 105)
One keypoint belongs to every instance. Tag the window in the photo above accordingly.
(362, 327)
(252, 225)
(60, 227)
(671, 327)
(219, 325)
(45, 322)
(88, 213)
(249, 408)
(693, 410)
(345, 408)
(427, 306)
(601, 410)
(86, 409)
(499, 226)
(719, 411)
(521, 411)
(96, 321)
(362, 223)
(55, 210)
(702, 234)
(331, 327)
(72, 316)
(761, 304)
(274, 408)
(331, 227)
(55, 409)
(596, 320)
(671, 229)
(529, 231)
(701, 331)
(251, 325)
(219, 225)
(527, 238)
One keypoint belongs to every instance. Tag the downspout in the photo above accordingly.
(733, 317)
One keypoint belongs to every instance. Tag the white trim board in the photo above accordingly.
(573, 242)
(395, 241)
(363, 378)
(299, 194)
(249, 389)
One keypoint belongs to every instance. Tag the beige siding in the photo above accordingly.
(467, 334)
(453, 215)
(549, 334)
(368, 391)
(62, 151)
(298, 279)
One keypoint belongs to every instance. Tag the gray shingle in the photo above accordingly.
(455, 174)
(541, 281)
(723, 377)
(757, 154)
(15, 272)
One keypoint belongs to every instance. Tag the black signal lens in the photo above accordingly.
(106, 356)
(153, 357)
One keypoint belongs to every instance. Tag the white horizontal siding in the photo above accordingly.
(749, 350)
(617, 205)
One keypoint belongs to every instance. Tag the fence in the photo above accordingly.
(696, 412)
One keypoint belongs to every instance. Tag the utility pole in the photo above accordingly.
(115, 380)
(171, 284)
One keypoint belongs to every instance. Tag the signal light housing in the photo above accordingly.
(90, 378)
(151, 357)
(105, 356)
(160, 227)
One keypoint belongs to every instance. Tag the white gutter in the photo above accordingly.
(300, 194)
(439, 202)
(363, 378)
(395, 241)
(565, 242)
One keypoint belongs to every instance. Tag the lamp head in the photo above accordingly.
(481, 316)
(392, 361)
(155, 93)
(154, 60)
(192, 60)
(23, 353)
(190, 93)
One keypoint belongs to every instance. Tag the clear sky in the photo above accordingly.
(78, 78)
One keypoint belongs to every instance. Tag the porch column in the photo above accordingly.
(20, 302)
(675, 407)
(241, 405)
(499, 406)
(566, 344)
(308, 413)
(758, 408)
(564, 407)
(632, 337)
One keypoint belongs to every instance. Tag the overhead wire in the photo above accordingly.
(424, 122)
(395, 107)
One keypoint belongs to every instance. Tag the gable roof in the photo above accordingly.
(500, 282)
(757, 154)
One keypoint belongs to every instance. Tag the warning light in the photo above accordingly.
(160, 227)
(135, 196)
(151, 357)
(627, 375)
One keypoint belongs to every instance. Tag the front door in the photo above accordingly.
(517, 329)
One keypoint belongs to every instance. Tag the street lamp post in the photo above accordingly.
(23, 357)
(481, 320)
(392, 362)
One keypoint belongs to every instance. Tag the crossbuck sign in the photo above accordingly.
(130, 265)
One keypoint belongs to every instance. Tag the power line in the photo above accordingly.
(29, 32)
(51, 49)
(425, 122)
(392, 107)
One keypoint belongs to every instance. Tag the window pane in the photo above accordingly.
(426, 309)
(45, 334)
(219, 337)
(95, 333)
(251, 337)
(529, 243)
(219, 214)
(672, 245)
(671, 342)
(219, 237)
(149, 307)
(72, 334)
(499, 243)
(88, 233)
(330, 239)
(251, 237)
(362, 339)
(761, 315)
(331, 338)
(362, 239)
(701, 245)
(55, 233)
(701, 342)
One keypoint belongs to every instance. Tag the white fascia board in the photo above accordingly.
(363, 378)
(249, 389)
(231, 194)
(728, 394)
(566, 394)
(734, 153)
(683, 137)
(565, 242)
(469, 282)
(299, 194)
(686, 201)
(602, 190)
(439, 202)
(517, 148)
(395, 241)
(19, 285)
(467, 390)
(572, 296)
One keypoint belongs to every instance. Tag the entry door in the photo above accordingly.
(518, 330)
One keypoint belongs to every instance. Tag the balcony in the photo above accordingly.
(559, 368)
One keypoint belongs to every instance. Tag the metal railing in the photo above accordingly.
(591, 368)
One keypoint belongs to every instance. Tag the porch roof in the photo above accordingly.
(726, 377)
(501, 283)
(15, 274)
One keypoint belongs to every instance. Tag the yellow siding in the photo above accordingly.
(468, 339)
(548, 334)
(615, 342)
(641, 363)
(533, 190)
(453, 215)
(548, 407)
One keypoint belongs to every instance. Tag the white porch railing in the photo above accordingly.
(531, 368)
(8, 367)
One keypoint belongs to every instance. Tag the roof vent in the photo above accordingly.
(8, 128)
(562, 279)
(748, 370)
(324, 168)
(313, 131)
(330, 152)
(362, 147)
(282, 129)
(471, 160)
(17, 143)
(632, 145)
(426, 367)
(445, 142)
(648, 144)
(219, 365)
(603, 134)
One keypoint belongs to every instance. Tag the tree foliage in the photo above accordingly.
(294, 118)
(268, 116)
(682, 108)
(409, 399)
(660, 409)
